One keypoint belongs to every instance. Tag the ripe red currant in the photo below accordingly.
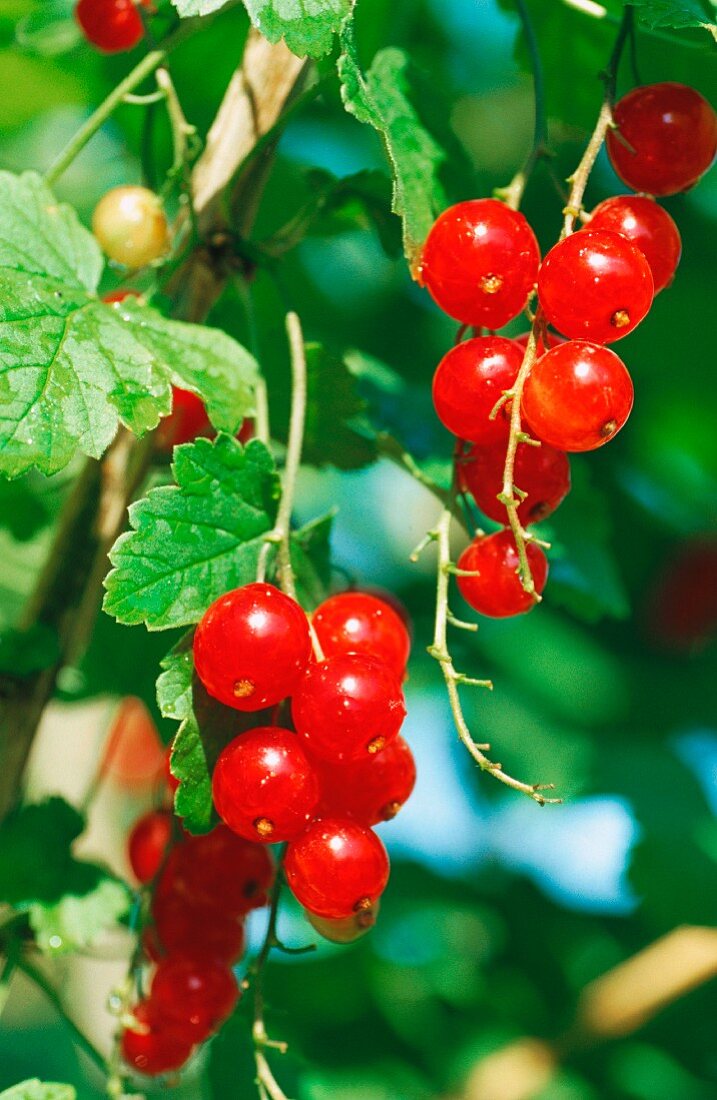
(356, 622)
(468, 383)
(152, 1048)
(252, 647)
(495, 590)
(187, 420)
(337, 868)
(193, 994)
(219, 867)
(182, 925)
(264, 787)
(371, 790)
(346, 930)
(577, 396)
(131, 226)
(543, 473)
(148, 843)
(117, 296)
(648, 226)
(111, 25)
(595, 285)
(348, 707)
(480, 262)
(666, 138)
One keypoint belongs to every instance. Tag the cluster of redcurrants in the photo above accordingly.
(112, 25)
(203, 888)
(481, 263)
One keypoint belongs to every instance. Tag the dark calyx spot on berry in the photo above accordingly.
(264, 827)
(608, 429)
(251, 888)
(366, 918)
(377, 745)
(364, 905)
(491, 284)
(390, 810)
(620, 318)
(243, 689)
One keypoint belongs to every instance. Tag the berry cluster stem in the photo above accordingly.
(453, 678)
(267, 1085)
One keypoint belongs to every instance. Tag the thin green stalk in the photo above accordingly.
(38, 978)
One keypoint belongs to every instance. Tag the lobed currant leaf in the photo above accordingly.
(76, 922)
(72, 367)
(195, 540)
(307, 26)
(311, 559)
(187, 9)
(335, 432)
(677, 14)
(379, 98)
(34, 1089)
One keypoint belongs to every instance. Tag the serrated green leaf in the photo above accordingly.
(35, 1089)
(333, 404)
(71, 367)
(75, 921)
(192, 541)
(307, 26)
(379, 99)
(678, 14)
(189, 8)
(174, 684)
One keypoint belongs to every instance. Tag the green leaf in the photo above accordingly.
(39, 1090)
(311, 559)
(307, 26)
(76, 922)
(189, 8)
(333, 406)
(656, 14)
(72, 367)
(192, 541)
(379, 99)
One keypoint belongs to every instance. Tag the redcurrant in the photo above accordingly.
(263, 786)
(648, 226)
(111, 25)
(347, 929)
(182, 925)
(219, 867)
(337, 868)
(152, 1048)
(371, 790)
(543, 473)
(187, 420)
(495, 588)
(252, 647)
(117, 296)
(469, 382)
(480, 262)
(148, 844)
(577, 396)
(348, 707)
(356, 622)
(666, 138)
(131, 226)
(193, 994)
(595, 285)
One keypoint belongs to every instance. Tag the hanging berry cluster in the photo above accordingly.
(481, 263)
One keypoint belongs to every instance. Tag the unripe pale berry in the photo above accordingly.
(131, 226)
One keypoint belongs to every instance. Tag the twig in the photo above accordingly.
(439, 650)
(267, 1084)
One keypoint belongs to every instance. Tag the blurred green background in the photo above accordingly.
(499, 913)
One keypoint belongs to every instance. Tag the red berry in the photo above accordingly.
(187, 420)
(152, 1048)
(648, 226)
(252, 647)
(117, 296)
(666, 138)
(111, 25)
(371, 790)
(193, 994)
(219, 868)
(148, 843)
(263, 786)
(201, 929)
(683, 611)
(496, 590)
(468, 383)
(577, 396)
(595, 285)
(337, 868)
(348, 707)
(541, 472)
(480, 262)
(356, 622)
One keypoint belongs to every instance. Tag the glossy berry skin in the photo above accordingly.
(348, 708)
(577, 396)
(219, 868)
(595, 285)
(337, 868)
(669, 138)
(649, 227)
(357, 622)
(131, 226)
(193, 994)
(251, 647)
(346, 930)
(372, 790)
(187, 420)
(264, 788)
(468, 383)
(480, 262)
(541, 472)
(153, 1048)
(111, 25)
(148, 844)
(182, 926)
(496, 590)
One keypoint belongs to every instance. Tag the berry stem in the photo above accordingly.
(439, 650)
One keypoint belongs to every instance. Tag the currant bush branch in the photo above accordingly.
(439, 650)
(266, 1082)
